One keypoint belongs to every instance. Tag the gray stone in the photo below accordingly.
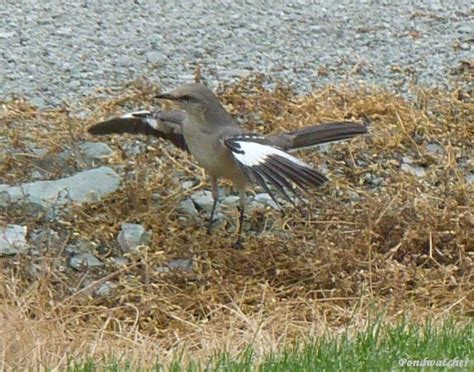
(95, 150)
(85, 186)
(120, 260)
(81, 256)
(105, 289)
(44, 238)
(135, 148)
(188, 208)
(470, 178)
(182, 264)
(434, 149)
(36, 175)
(372, 179)
(155, 57)
(324, 148)
(13, 239)
(203, 200)
(6, 35)
(413, 169)
(265, 200)
(230, 201)
(132, 236)
(84, 260)
(39, 152)
(80, 246)
(186, 185)
(407, 160)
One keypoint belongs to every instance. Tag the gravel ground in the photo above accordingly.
(51, 52)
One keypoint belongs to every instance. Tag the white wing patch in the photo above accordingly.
(145, 115)
(254, 153)
(134, 114)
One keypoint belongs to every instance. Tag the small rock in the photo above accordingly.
(266, 200)
(95, 150)
(7, 35)
(182, 264)
(186, 185)
(155, 57)
(131, 236)
(324, 148)
(46, 238)
(80, 255)
(13, 239)
(81, 246)
(407, 160)
(434, 149)
(105, 289)
(203, 200)
(38, 101)
(188, 208)
(231, 200)
(373, 180)
(39, 152)
(470, 178)
(135, 148)
(84, 260)
(413, 169)
(465, 28)
(120, 260)
(36, 175)
(354, 196)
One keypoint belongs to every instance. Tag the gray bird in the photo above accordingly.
(206, 130)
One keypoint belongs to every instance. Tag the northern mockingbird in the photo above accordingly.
(206, 130)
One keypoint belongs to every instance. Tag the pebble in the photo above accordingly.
(132, 236)
(188, 208)
(95, 150)
(203, 200)
(186, 185)
(45, 238)
(413, 169)
(105, 289)
(13, 240)
(434, 149)
(186, 265)
(81, 256)
(84, 260)
(265, 200)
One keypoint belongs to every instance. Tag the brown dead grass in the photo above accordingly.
(404, 247)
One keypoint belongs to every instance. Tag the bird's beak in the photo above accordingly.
(167, 96)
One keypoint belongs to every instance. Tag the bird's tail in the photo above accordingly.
(317, 134)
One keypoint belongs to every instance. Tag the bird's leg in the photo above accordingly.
(215, 197)
(238, 244)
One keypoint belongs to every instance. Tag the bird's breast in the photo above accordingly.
(211, 154)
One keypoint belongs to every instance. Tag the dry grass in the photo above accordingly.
(404, 247)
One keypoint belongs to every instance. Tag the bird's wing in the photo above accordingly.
(317, 134)
(161, 124)
(266, 164)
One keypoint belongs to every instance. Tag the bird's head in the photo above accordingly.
(195, 99)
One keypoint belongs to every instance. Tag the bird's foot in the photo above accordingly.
(238, 245)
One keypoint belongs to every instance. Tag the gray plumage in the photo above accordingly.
(206, 130)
